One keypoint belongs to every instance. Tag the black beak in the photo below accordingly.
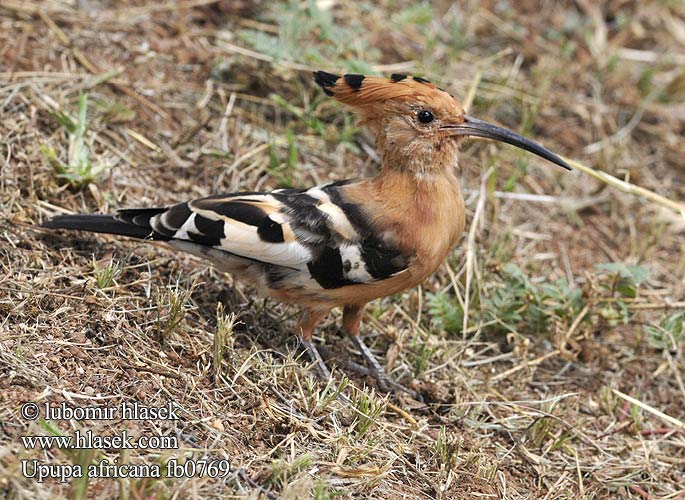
(474, 127)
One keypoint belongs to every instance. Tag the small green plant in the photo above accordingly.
(106, 275)
(223, 337)
(446, 449)
(625, 278)
(282, 170)
(306, 115)
(521, 170)
(283, 472)
(309, 117)
(171, 310)
(369, 407)
(645, 83)
(421, 353)
(622, 282)
(446, 313)
(414, 14)
(541, 429)
(668, 333)
(322, 491)
(78, 489)
(311, 35)
(79, 170)
(332, 391)
(113, 111)
(512, 303)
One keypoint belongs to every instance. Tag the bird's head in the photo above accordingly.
(418, 126)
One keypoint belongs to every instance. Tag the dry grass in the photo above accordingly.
(193, 97)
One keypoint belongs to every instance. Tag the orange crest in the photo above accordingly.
(368, 92)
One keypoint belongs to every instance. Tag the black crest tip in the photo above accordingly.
(397, 77)
(354, 81)
(325, 79)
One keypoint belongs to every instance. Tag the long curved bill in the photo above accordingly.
(474, 127)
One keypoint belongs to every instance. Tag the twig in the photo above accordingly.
(526, 364)
(471, 93)
(142, 139)
(237, 49)
(471, 245)
(577, 321)
(639, 491)
(223, 124)
(403, 414)
(653, 411)
(656, 305)
(627, 187)
(649, 56)
(155, 7)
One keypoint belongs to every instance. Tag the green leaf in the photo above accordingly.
(414, 14)
(64, 120)
(446, 313)
(637, 274)
(668, 333)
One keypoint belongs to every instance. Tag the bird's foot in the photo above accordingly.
(385, 383)
(321, 369)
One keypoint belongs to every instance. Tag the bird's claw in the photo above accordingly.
(385, 383)
(375, 369)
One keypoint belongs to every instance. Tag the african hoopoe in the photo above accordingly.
(345, 243)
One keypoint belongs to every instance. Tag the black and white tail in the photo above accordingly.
(129, 222)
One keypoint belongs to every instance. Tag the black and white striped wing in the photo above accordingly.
(245, 225)
(311, 231)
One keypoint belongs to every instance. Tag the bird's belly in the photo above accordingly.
(361, 293)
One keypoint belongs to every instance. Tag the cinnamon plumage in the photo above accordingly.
(346, 243)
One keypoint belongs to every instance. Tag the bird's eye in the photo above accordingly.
(425, 116)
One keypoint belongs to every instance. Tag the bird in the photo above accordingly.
(342, 244)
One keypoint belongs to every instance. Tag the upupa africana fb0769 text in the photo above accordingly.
(345, 243)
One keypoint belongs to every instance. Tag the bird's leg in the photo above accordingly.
(305, 329)
(352, 317)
